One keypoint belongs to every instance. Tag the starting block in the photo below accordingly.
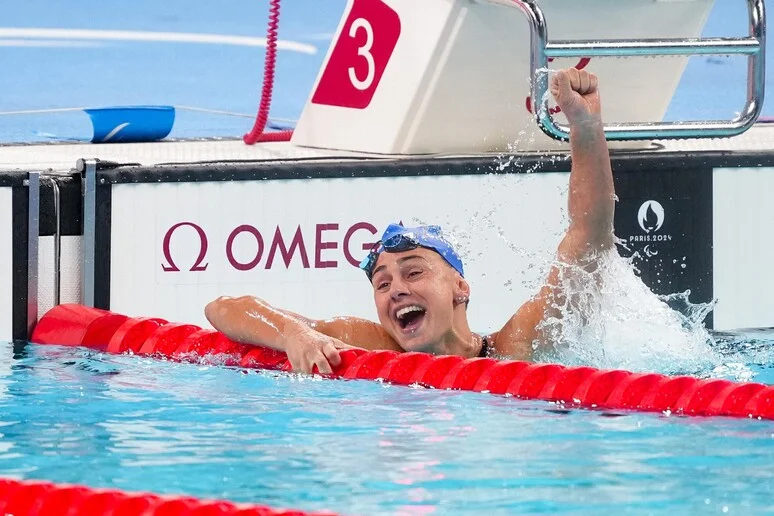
(470, 76)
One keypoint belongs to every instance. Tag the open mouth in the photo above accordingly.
(410, 317)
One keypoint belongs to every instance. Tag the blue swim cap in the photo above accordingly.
(397, 238)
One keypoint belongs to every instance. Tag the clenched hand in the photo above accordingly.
(577, 94)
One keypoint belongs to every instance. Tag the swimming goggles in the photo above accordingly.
(397, 238)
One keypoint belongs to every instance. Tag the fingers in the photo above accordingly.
(320, 358)
(299, 364)
(316, 353)
(594, 83)
(573, 78)
(569, 80)
(311, 364)
(561, 85)
(584, 82)
(322, 365)
(331, 353)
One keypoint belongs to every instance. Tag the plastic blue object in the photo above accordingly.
(131, 124)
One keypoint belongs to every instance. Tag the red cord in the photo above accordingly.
(257, 134)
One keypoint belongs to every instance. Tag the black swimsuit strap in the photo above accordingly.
(484, 347)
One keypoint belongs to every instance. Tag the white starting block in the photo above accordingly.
(458, 76)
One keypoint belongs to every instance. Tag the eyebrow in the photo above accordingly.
(400, 261)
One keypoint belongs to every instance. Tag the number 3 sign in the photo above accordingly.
(360, 56)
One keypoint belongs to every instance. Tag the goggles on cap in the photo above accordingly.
(397, 238)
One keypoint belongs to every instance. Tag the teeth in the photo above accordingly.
(413, 308)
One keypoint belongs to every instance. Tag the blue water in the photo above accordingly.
(108, 73)
(360, 447)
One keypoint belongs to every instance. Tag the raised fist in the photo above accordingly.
(576, 93)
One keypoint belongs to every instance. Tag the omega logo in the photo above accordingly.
(309, 250)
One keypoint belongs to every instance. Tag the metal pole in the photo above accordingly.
(57, 242)
(88, 170)
(653, 47)
(753, 46)
(33, 233)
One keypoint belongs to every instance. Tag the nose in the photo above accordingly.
(399, 288)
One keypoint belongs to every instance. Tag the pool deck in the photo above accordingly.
(62, 157)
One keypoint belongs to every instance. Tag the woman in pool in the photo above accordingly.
(418, 280)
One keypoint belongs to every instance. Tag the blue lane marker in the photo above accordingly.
(130, 124)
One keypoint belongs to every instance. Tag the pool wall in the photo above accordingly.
(168, 239)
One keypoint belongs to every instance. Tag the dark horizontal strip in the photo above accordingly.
(425, 166)
(12, 178)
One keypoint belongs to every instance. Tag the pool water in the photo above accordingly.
(363, 447)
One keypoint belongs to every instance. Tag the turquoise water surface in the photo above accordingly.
(362, 447)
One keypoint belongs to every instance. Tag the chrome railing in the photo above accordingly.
(754, 46)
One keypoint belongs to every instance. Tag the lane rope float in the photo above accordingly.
(586, 387)
(41, 498)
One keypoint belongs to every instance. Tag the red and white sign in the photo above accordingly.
(6, 264)
(297, 243)
(360, 56)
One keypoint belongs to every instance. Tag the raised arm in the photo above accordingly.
(591, 205)
(591, 201)
(307, 342)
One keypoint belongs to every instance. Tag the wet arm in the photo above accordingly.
(591, 205)
(252, 320)
(591, 199)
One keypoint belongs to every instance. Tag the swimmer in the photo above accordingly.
(418, 280)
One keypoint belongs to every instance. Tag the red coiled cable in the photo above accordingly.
(270, 62)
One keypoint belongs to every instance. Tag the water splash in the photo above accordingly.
(610, 319)
(547, 95)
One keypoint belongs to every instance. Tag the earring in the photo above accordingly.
(461, 299)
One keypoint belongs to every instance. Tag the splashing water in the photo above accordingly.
(542, 106)
(610, 319)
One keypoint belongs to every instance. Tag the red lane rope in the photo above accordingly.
(270, 62)
(576, 386)
(41, 498)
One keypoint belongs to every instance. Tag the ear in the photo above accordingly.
(461, 290)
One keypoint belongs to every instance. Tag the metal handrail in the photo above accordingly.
(754, 46)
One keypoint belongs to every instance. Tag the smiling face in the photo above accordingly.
(417, 296)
